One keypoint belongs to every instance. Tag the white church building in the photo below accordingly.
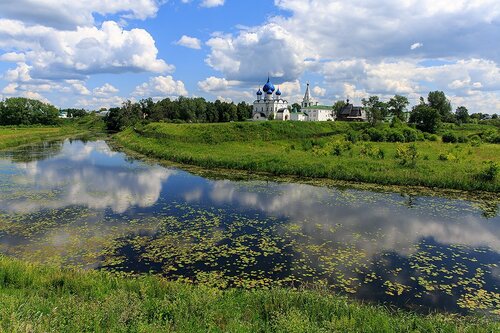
(312, 111)
(269, 104)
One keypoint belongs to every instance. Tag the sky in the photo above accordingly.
(98, 53)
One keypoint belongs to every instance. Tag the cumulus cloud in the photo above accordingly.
(67, 14)
(54, 54)
(189, 42)
(106, 90)
(251, 54)
(161, 86)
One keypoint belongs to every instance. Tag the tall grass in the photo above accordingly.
(46, 299)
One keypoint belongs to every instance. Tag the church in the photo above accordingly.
(269, 104)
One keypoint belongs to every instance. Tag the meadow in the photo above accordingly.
(44, 298)
(333, 150)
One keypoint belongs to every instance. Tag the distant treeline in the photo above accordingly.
(194, 110)
(24, 111)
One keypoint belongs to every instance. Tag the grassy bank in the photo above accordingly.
(321, 150)
(12, 136)
(41, 299)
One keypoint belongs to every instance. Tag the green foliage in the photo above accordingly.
(490, 172)
(369, 150)
(426, 118)
(182, 110)
(398, 106)
(376, 110)
(462, 115)
(25, 111)
(407, 155)
(450, 137)
(75, 113)
(48, 299)
(438, 101)
(337, 107)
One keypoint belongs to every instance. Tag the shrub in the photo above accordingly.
(475, 141)
(450, 137)
(490, 172)
(340, 146)
(373, 152)
(395, 135)
(447, 157)
(352, 136)
(376, 135)
(407, 155)
(410, 134)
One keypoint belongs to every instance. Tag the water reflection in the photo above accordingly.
(89, 175)
(83, 204)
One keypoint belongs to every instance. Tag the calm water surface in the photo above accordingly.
(83, 204)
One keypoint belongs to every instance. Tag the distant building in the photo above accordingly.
(312, 111)
(63, 114)
(269, 105)
(352, 113)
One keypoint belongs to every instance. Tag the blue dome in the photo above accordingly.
(259, 93)
(269, 87)
(278, 92)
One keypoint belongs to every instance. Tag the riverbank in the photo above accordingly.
(42, 298)
(13, 136)
(320, 150)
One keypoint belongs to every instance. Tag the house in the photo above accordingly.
(352, 113)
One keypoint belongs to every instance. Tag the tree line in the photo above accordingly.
(183, 109)
(426, 116)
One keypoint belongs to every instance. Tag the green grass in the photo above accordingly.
(12, 136)
(47, 299)
(316, 150)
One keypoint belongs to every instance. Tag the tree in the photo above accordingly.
(337, 107)
(25, 111)
(75, 113)
(398, 106)
(376, 110)
(244, 111)
(462, 115)
(120, 118)
(437, 100)
(297, 107)
(426, 118)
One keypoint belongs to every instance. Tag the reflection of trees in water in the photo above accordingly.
(37, 152)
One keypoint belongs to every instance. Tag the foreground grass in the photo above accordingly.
(41, 299)
(316, 150)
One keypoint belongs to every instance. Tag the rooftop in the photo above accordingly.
(318, 107)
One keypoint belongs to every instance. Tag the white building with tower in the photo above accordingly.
(312, 111)
(269, 104)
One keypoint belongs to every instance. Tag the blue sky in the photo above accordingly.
(95, 53)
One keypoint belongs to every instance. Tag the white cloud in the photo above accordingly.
(212, 3)
(69, 14)
(318, 91)
(415, 46)
(212, 84)
(189, 42)
(161, 86)
(253, 53)
(13, 57)
(88, 50)
(106, 90)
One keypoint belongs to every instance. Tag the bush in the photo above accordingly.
(450, 137)
(352, 136)
(407, 155)
(340, 146)
(373, 152)
(490, 172)
(395, 135)
(377, 135)
(410, 134)
(448, 157)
